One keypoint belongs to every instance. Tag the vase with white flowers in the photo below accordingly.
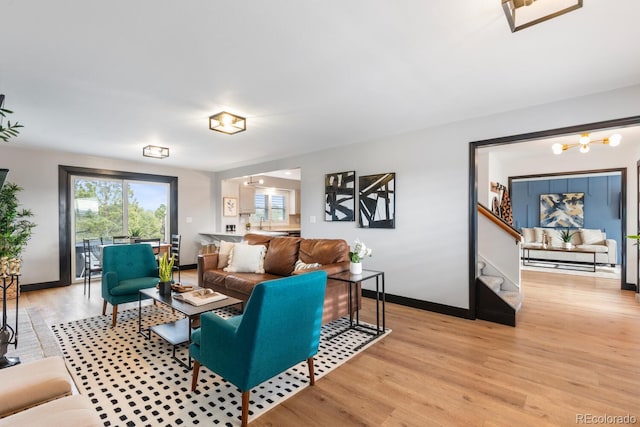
(357, 253)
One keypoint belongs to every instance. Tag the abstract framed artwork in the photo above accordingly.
(340, 195)
(377, 202)
(229, 206)
(562, 210)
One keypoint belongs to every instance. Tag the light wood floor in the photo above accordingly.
(576, 350)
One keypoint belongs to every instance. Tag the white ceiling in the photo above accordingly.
(106, 78)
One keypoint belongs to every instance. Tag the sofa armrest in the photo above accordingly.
(109, 280)
(612, 250)
(206, 262)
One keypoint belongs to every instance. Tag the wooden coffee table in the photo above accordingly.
(178, 332)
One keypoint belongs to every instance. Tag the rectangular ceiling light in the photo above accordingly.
(227, 123)
(155, 152)
(525, 13)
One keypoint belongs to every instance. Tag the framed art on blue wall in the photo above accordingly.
(562, 210)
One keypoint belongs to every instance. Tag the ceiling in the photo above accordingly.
(107, 78)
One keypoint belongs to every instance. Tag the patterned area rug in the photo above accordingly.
(134, 381)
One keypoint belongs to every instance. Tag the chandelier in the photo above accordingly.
(585, 143)
(252, 182)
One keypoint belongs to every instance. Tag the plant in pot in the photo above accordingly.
(15, 229)
(566, 236)
(165, 270)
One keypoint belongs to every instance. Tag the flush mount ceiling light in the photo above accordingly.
(155, 152)
(525, 13)
(252, 182)
(227, 123)
(585, 143)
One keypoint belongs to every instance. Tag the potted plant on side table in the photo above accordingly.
(165, 271)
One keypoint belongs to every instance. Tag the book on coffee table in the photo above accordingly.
(200, 296)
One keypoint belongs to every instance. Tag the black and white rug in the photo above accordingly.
(133, 381)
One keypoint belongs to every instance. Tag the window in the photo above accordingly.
(104, 208)
(271, 205)
(86, 204)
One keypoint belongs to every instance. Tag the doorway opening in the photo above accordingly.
(542, 136)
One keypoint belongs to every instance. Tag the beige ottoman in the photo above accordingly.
(29, 384)
(69, 411)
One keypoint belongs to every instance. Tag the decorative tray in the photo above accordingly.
(177, 287)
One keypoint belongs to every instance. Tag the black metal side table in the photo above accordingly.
(8, 335)
(353, 281)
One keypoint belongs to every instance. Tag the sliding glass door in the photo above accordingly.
(103, 208)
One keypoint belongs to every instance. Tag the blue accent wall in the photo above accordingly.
(602, 204)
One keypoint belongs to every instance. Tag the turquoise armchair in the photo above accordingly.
(280, 327)
(125, 270)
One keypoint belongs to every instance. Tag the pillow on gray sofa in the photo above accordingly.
(554, 238)
(529, 235)
(592, 237)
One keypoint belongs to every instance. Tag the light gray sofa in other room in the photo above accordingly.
(585, 238)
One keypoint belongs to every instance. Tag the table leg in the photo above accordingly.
(358, 296)
(384, 301)
(350, 304)
(377, 304)
(17, 284)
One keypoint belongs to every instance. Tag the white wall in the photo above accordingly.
(37, 173)
(425, 256)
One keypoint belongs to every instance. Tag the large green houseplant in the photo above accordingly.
(15, 225)
(11, 129)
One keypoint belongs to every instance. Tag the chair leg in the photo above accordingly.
(245, 408)
(89, 291)
(114, 316)
(312, 377)
(104, 307)
(196, 371)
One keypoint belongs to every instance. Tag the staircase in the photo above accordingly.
(496, 300)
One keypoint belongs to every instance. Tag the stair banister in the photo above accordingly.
(500, 223)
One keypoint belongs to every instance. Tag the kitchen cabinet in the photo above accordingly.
(294, 202)
(247, 199)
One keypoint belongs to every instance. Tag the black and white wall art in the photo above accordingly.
(340, 194)
(377, 201)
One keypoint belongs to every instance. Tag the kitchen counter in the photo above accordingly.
(239, 235)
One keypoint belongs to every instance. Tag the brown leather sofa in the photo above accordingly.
(280, 260)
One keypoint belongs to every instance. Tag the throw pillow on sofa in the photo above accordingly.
(554, 238)
(304, 266)
(246, 259)
(282, 254)
(529, 235)
(223, 253)
(592, 237)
